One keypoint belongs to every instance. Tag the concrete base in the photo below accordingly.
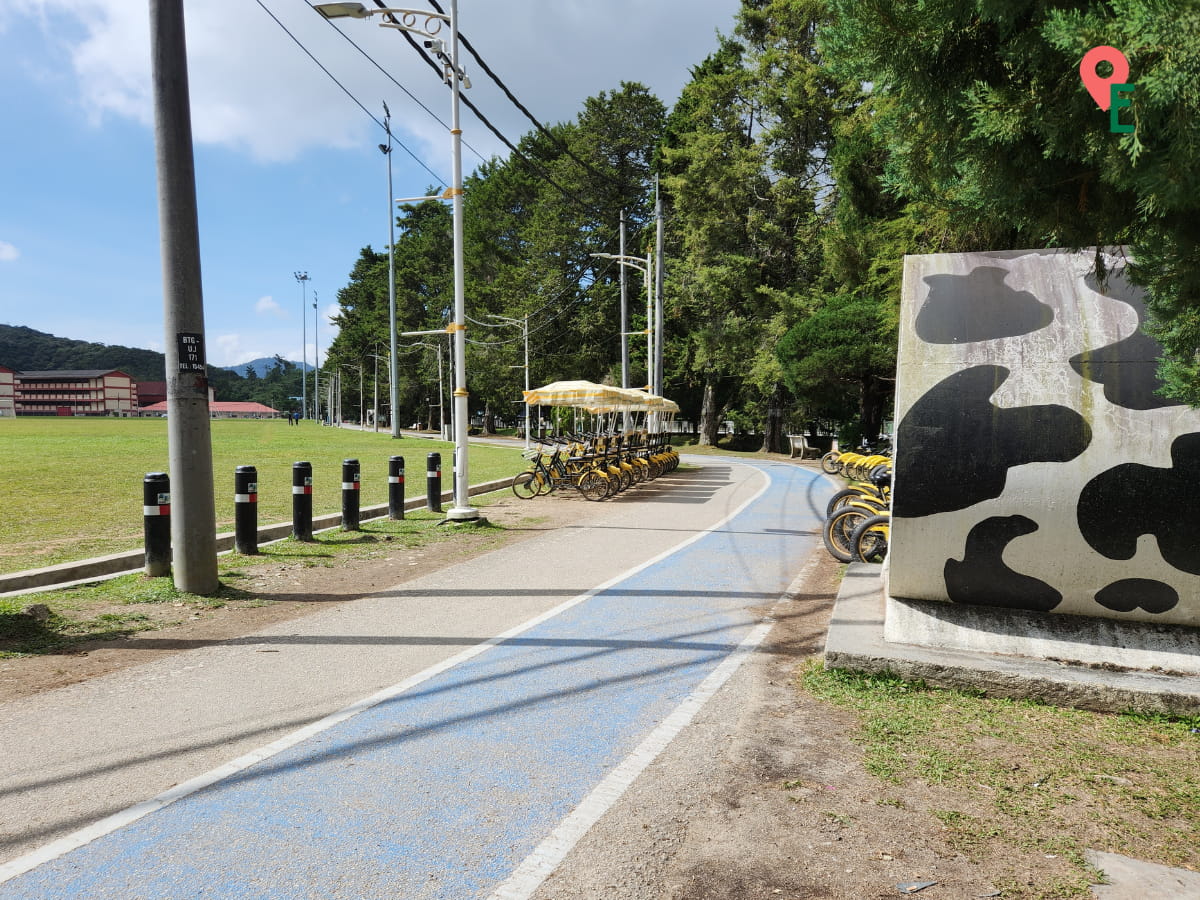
(856, 640)
(1132, 879)
(1105, 643)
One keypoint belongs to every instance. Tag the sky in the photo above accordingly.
(289, 175)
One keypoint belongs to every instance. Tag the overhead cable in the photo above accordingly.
(466, 101)
(346, 90)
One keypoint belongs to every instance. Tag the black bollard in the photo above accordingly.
(245, 510)
(302, 501)
(433, 482)
(396, 487)
(156, 518)
(350, 494)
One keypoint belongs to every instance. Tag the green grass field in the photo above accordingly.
(73, 486)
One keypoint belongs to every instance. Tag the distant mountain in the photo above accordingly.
(27, 350)
(262, 366)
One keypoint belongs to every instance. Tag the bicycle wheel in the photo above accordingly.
(838, 530)
(847, 495)
(613, 483)
(829, 463)
(870, 539)
(524, 486)
(592, 485)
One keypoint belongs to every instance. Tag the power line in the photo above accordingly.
(520, 106)
(346, 90)
(393, 80)
(466, 101)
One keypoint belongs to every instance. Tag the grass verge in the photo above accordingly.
(79, 490)
(1029, 777)
(133, 603)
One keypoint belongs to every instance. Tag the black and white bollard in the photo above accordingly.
(245, 510)
(302, 501)
(396, 487)
(156, 516)
(433, 482)
(350, 494)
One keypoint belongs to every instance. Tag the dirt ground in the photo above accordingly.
(784, 809)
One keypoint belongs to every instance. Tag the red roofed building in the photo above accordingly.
(227, 409)
(75, 392)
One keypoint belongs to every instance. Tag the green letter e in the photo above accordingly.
(1116, 102)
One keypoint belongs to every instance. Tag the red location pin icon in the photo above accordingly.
(1098, 86)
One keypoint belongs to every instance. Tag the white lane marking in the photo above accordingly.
(109, 824)
(547, 856)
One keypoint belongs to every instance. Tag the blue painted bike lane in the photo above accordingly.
(442, 790)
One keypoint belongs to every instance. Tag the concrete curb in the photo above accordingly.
(83, 570)
(855, 641)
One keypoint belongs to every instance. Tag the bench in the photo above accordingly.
(801, 448)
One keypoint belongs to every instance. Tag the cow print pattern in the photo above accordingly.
(958, 447)
(982, 578)
(1134, 593)
(1128, 369)
(978, 307)
(1120, 505)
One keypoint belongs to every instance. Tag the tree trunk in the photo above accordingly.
(489, 419)
(710, 415)
(429, 417)
(871, 411)
(774, 440)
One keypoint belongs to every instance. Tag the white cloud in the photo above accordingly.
(230, 351)
(266, 306)
(254, 90)
(8, 253)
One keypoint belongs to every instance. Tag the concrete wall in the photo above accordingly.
(1036, 468)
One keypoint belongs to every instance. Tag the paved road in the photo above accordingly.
(507, 700)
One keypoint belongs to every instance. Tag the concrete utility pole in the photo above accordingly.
(189, 441)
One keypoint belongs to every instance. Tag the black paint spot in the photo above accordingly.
(978, 306)
(981, 578)
(956, 447)
(1120, 505)
(1128, 369)
(1130, 593)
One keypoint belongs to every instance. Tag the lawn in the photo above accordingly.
(74, 485)
(1015, 777)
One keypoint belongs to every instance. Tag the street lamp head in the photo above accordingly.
(343, 10)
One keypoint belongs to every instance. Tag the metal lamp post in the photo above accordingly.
(393, 382)
(316, 365)
(303, 279)
(644, 264)
(375, 402)
(524, 323)
(429, 27)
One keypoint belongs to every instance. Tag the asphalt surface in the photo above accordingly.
(439, 739)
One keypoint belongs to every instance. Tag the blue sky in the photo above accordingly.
(288, 171)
